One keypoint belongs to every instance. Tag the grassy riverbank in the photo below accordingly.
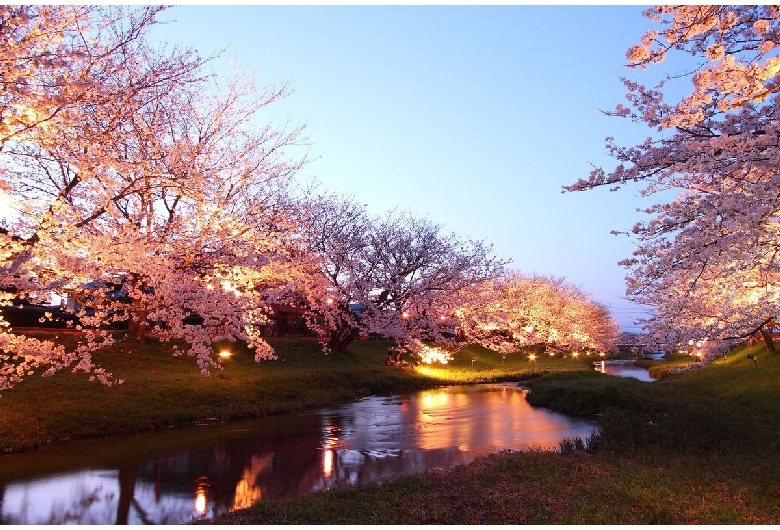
(695, 447)
(160, 390)
(699, 447)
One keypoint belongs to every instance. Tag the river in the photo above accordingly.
(177, 475)
(623, 368)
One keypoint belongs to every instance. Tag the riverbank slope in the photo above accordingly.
(163, 391)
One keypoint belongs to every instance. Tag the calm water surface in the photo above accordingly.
(623, 368)
(181, 474)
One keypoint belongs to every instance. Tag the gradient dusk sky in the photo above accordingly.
(474, 116)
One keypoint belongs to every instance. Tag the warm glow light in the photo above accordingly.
(327, 462)
(425, 370)
(230, 287)
(442, 317)
(430, 355)
(602, 354)
(532, 357)
(552, 354)
(404, 315)
(329, 301)
(225, 354)
(210, 287)
(200, 500)
(575, 353)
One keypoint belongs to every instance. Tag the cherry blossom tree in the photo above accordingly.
(339, 283)
(395, 276)
(420, 271)
(516, 311)
(707, 261)
(404, 278)
(143, 190)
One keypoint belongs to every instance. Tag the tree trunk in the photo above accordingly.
(137, 326)
(340, 339)
(766, 334)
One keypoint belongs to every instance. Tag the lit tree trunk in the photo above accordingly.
(765, 330)
(137, 326)
(766, 334)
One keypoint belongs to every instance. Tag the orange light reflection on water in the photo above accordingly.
(248, 490)
(330, 441)
(200, 500)
(327, 462)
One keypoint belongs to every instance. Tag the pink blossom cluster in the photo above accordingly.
(706, 263)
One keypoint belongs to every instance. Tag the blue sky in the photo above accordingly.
(472, 116)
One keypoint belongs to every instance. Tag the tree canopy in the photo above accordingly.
(141, 191)
(159, 199)
(707, 261)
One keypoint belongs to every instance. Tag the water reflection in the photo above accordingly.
(623, 368)
(175, 476)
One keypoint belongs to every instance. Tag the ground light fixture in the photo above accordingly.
(224, 354)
